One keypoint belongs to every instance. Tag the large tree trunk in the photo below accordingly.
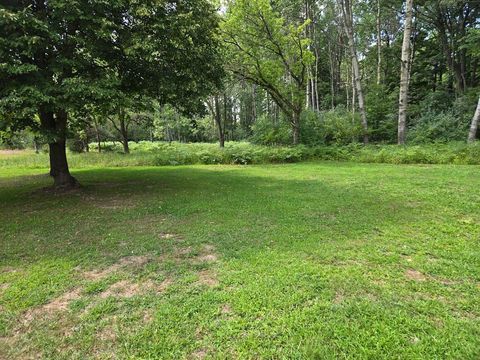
(474, 126)
(348, 25)
(56, 128)
(405, 73)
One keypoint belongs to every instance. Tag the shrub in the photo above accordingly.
(438, 127)
(268, 132)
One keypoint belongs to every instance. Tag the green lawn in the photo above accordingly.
(310, 260)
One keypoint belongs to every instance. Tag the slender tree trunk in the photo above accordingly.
(124, 133)
(97, 134)
(474, 126)
(405, 73)
(36, 145)
(332, 76)
(254, 104)
(218, 120)
(56, 127)
(317, 100)
(379, 44)
(348, 24)
(296, 127)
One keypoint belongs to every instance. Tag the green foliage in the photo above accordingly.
(267, 131)
(382, 113)
(337, 126)
(242, 153)
(442, 120)
(438, 127)
(103, 57)
(264, 49)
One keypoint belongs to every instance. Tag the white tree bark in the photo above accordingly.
(474, 126)
(346, 7)
(405, 72)
(379, 44)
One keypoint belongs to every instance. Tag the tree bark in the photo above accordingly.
(56, 127)
(474, 126)
(124, 133)
(296, 127)
(405, 73)
(36, 145)
(379, 44)
(218, 121)
(348, 25)
(97, 133)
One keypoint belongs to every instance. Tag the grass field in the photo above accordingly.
(309, 260)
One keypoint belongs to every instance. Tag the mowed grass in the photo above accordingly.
(310, 260)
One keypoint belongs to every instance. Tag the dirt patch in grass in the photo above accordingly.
(339, 298)
(122, 288)
(226, 309)
(207, 255)
(415, 275)
(199, 354)
(128, 289)
(129, 261)
(57, 305)
(208, 278)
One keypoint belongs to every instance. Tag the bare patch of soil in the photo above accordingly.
(124, 288)
(208, 278)
(129, 261)
(107, 334)
(226, 309)
(415, 275)
(57, 305)
(207, 255)
(339, 297)
(128, 289)
(199, 354)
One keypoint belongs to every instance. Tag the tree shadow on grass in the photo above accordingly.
(233, 208)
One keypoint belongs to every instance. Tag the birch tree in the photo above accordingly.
(474, 126)
(347, 17)
(405, 72)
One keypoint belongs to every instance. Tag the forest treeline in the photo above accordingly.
(274, 72)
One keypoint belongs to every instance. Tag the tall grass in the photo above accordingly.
(159, 154)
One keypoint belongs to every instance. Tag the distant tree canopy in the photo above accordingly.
(59, 57)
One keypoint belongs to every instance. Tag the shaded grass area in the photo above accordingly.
(313, 260)
(243, 153)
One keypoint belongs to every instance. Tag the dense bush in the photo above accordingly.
(337, 126)
(441, 119)
(266, 131)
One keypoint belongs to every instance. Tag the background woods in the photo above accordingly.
(269, 72)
